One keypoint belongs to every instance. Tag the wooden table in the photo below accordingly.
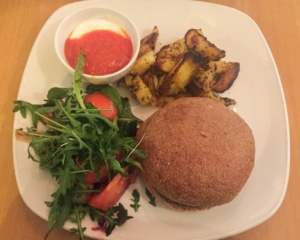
(20, 22)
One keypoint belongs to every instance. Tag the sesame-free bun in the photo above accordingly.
(199, 153)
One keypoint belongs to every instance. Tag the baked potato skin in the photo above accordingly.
(225, 79)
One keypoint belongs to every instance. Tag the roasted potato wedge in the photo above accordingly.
(199, 92)
(218, 77)
(146, 57)
(197, 42)
(148, 42)
(145, 60)
(225, 79)
(143, 63)
(169, 55)
(212, 95)
(179, 77)
(139, 89)
(204, 78)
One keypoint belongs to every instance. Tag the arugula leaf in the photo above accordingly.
(63, 209)
(122, 214)
(58, 93)
(59, 212)
(151, 197)
(111, 218)
(127, 113)
(25, 107)
(135, 199)
(79, 214)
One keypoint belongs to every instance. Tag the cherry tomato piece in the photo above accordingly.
(119, 155)
(92, 177)
(133, 175)
(104, 104)
(111, 194)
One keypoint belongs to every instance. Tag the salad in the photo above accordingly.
(87, 144)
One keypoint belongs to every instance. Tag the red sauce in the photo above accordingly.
(106, 51)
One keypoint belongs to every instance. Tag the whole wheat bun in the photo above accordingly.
(199, 153)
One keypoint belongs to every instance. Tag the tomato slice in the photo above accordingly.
(119, 154)
(133, 176)
(92, 177)
(104, 104)
(111, 194)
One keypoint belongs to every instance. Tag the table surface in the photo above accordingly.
(21, 21)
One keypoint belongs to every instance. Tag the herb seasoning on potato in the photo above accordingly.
(191, 66)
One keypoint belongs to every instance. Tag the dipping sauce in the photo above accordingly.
(107, 47)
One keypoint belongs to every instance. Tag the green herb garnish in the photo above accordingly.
(151, 197)
(108, 220)
(135, 199)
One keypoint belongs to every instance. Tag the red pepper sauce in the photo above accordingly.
(106, 51)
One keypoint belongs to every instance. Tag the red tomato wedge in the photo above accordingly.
(111, 194)
(119, 155)
(92, 177)
(133, 175)
(104, 104)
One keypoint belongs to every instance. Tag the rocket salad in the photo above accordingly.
(92, 157)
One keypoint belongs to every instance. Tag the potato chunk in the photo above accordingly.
(170, 54)
(197, 42)
(179, 77)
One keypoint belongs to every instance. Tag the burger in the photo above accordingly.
(199, 154)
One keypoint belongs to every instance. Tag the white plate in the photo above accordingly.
(260, 101)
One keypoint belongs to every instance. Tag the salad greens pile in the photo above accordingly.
(77, 140)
